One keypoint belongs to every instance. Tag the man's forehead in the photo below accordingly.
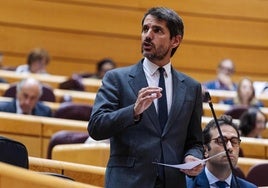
(224, 128)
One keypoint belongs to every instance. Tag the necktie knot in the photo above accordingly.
(161, 70)
(221, 184)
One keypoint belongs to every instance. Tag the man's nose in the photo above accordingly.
(149, 34)
(229, 145)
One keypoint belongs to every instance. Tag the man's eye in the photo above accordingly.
(144, 29)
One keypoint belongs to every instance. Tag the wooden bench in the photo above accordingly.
(220, 109)
(35, 131)
(90, 84)
(223, 30)
(218, 95)
(82, 154)
(245, 163)
(88, 174)
(12, 176)
(91, 154)
(255, 147)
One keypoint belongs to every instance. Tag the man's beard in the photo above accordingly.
(158, 55)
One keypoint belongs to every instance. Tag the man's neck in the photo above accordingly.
(220, 172)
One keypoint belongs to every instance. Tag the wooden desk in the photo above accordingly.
(218, 95)
(52, 80)
(96, 154)
(246, 163)
(220, 109)
(255, 147)
(12, 176)
(35, 131)
(88, 174)
(91, 84)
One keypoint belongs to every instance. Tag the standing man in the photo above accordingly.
(217, 173)
(150, 115)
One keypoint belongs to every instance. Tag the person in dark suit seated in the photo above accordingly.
(217, 172)
(27, 100)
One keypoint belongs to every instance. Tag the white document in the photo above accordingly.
(190, 165)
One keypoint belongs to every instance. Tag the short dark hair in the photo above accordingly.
(222, 120)
(102, 62)
(248, 120)
(173, 21)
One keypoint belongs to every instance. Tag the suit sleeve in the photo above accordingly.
(194, 143)
(108, 116)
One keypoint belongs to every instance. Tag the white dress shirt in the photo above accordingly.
(152, 76)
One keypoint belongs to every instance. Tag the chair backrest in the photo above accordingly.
(73, 83)
(48, 94)
(258, 174)
(239, 173)
(13, 152)
(75, 111)
(65, 137)
(236, 111)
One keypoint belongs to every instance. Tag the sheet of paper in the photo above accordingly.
(190, 165)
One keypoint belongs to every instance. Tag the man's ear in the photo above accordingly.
(176, 41)
(206, 149)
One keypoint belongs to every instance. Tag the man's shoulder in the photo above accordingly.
(245, 184)
(8, 106)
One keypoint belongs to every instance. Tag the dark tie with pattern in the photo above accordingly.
(221, 184)
(162, 102)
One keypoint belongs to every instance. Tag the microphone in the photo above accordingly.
(208, 99)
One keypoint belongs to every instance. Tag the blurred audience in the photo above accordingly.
(27, 100)
(102, 67)
(223, 81)
(37, 61)
(245, 95)
(252, 123)
(2, 80)
(261, 87)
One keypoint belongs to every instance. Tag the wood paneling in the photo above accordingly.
(79, 33)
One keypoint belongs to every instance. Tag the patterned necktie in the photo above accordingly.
(162, 102)
(221, 184)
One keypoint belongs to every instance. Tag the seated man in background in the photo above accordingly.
(217, 172)
(27, 100)
(102, 67)
(37, 61)
(224, 81)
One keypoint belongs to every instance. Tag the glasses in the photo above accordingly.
(228, 69)
(234, 141)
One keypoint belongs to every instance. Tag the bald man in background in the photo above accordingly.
(27, 101)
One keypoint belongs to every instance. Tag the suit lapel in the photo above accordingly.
(138, 81)
(201, 180)
(178, 95)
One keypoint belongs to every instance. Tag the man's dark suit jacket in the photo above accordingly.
(135, 146)
(201, 181)
(39, 110)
